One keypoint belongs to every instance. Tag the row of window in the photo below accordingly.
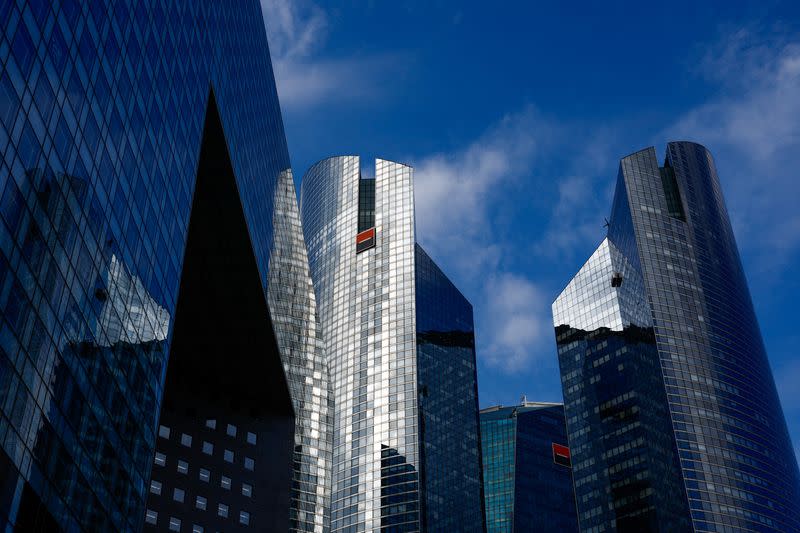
(208, 449)
(186, 440)
(204, 474)
(151, 517)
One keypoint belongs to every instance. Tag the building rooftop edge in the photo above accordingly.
(499, 407)
(603, 240)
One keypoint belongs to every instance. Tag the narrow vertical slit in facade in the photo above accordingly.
(365, 239)
(672, 192)
(366, 204)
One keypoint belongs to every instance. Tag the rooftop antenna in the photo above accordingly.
(523, 399)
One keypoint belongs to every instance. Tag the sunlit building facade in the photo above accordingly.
(672, 414)
(527, 478)
(400, 349)
(140, 142)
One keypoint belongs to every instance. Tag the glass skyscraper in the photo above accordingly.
(148, 221)
(526, 469)
(400, 347)
(673, 417)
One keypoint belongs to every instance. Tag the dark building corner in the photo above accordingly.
(225, 367)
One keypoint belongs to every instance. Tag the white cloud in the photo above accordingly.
(457, 198)
(519, 321)
(759, 105)
(752, 126)
(295, 28)
(305, 79)
(466, 204)
(455, 192)
(576, 221)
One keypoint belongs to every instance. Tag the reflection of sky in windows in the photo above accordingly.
(293, 306)
(719, 406)
(524, 489)
(130, 314)
(590, 301)
(101, 130)
(366, 319)
(368, 307)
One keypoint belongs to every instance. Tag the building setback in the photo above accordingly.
(400, 345)
(145, 226)
(526, 469)
(673, 417)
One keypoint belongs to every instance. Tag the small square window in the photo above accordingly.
(244, 518)
(251, 438)
(247, 490)
(200, 502)
(183, 467)
(228, 456)
(249, 463)
(174, 524)
(178, 495)
(151, 517)
(211, 423)
(225, 483)
(197, 529)
(155, 487)
(186, 440)
(160, 459)
(208, 448)
(205, 475)
(231, 430)
(163, 432)
(222, 510)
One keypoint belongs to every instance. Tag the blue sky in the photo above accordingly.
(515, 119)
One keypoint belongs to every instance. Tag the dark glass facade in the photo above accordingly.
(625, 466)
(217, 476)
(400, 344)
(525, 489)
(670, 229)
(103, 107)
(366, 204)
(448, 402)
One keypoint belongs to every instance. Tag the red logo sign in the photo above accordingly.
(365, 240)
(561, 455)
(365, 235)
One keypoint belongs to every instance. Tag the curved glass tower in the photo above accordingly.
(400, 348)
(658, 340)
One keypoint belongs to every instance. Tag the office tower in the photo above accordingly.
(400, 347)
(527, 478)
(138, 242)
(673, 417)
(293, 304)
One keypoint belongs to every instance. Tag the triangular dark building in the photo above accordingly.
(224, 368)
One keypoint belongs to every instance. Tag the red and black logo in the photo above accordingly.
(561, 455)
(365, 240)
